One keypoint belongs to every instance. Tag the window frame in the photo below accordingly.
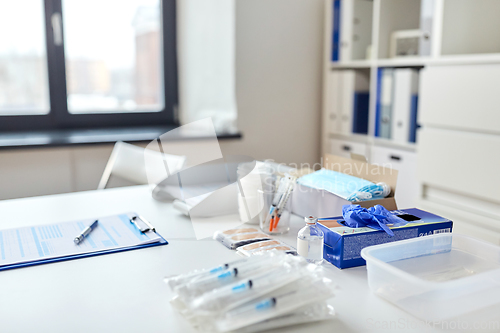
(59, 116)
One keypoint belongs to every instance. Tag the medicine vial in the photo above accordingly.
(310, 241)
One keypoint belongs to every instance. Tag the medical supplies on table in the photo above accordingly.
(248, 241)
(344, 181)
(266, 245)
(267, 290)
(437, 277)
(343, 244)
(310, 241)
(234, 238)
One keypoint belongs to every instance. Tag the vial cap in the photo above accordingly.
(311, 219)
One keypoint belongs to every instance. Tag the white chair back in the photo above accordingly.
(128, 162)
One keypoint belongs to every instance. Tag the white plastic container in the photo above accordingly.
(435, 277)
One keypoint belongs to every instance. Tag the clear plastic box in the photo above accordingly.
(435, 277)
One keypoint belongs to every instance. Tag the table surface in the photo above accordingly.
(125, 292)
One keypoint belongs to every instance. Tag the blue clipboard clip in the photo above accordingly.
(142, 224)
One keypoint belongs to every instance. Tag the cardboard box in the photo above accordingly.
(343, 244)
(318, 202)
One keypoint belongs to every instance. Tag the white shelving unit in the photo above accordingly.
(458, 109)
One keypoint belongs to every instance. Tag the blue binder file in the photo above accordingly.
(360, 113)
(44, 244)
(385, 103)
(413, 119)
(336, 31)
(377, 105)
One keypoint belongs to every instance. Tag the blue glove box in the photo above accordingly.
(343, 245)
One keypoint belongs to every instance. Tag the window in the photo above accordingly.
(24, 85)
(87, 64)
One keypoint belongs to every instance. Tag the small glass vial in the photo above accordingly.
(310, 241)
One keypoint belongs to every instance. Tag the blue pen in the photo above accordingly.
(85, 232)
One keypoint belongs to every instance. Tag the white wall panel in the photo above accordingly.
(406, 164)
(88, 164)
(344, 148)
(461, 97)
(32, 172)
(464, 162)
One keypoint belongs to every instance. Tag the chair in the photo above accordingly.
(128, 163)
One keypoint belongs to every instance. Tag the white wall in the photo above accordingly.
(278, 77)
(279, 50)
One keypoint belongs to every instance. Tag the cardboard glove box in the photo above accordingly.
(343, 245)
(321, 203)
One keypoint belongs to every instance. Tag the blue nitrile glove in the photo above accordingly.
(376, 217)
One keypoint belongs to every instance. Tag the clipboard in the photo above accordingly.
(131, 223)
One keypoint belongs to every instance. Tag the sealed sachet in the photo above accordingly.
(286, 270)
(235, 238)
(267, 290)
(197, 286)
(266, 245)
(181, 279)
(284, 300)
(307, 314)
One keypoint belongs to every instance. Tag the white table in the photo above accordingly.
(125, 292)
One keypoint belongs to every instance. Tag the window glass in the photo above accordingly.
(113, 51)
(24, 88)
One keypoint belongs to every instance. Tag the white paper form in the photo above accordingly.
(57, 240)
